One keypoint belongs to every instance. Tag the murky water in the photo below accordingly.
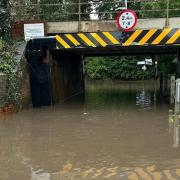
(116, 131)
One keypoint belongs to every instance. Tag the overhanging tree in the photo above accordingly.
(5, 19)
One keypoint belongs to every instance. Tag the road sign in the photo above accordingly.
(149, 62)
(141, 63)
(127, 20)
(33, 30)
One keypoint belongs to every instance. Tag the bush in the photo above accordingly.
(121, 68)
(9, 66)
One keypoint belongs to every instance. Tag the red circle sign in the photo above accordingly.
(127, 20)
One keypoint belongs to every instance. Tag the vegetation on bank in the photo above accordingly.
(9, 66)
(126, 68)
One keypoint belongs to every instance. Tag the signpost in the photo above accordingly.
(33, 30)
(149, 62)
(144, 63)
(126, 20)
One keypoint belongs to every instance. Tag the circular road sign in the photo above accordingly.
(127, 20)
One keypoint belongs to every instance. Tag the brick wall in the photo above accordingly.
(3, 89)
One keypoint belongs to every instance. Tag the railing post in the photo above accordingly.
(173, 86)
(126, 4)
(79, 13)
(38, 10)
(167, 13)
(177, 97)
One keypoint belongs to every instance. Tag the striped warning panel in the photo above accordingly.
(152, 37)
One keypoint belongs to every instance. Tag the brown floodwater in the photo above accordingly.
(115, 131)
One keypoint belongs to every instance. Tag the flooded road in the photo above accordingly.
(115, 131)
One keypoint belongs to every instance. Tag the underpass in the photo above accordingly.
(67, 52)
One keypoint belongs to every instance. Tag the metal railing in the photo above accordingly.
(95, 10)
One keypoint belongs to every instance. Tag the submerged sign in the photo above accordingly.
(33, 30)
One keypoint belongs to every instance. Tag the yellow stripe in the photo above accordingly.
(62, 42)
(132, 37)
(174, 37)
(178, 172)
(111, 38)
(161, 36)
(168, 174)
(86, 40)
(66, 169)
(147, 37)
(132, 176)
(142, 173)
(72, 39)
(99, 39)
(152, 170)
(87, 172)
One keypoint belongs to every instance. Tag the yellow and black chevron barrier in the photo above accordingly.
(152, 37)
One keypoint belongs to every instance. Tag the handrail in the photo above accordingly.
(168, 10)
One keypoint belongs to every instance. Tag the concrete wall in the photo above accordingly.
(25, 87)
(3, 89)
(110, 25)
(66, 76)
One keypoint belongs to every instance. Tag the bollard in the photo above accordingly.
(173, 86)
(177, 97)
(176, 131)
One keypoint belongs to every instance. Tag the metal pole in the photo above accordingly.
(173, 86)
(167, 14)
(126, 4)
(79, 22)
(178, 64)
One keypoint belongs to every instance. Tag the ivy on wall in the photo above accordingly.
(10, 67)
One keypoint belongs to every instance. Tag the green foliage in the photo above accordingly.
(9, 66)
(166, 63)
(144, 9)
(96, 68)
(123, 68)
(50, 10)
(5, 19)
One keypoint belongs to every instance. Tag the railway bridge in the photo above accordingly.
(68, 43)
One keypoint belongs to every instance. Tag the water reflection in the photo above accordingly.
(142, 95)
(101, 136)
(174, 127)
(143, 100)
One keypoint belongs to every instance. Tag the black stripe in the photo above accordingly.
(67, 41)
(122, 36)
(92, 39)
(108, 42)
(82, 43)
(165, 39)
(59, 45)
(168, 36)
(154, 36)
(141, 35)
